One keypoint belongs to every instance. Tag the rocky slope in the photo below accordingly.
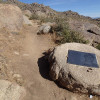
(86, 26)
(23, 69)
(34, 7)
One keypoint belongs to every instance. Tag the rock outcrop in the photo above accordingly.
(11, 17)
(76, 78)
(11, 91)
(34, 7)
(26, 20)
(90, 31)
(27, 13)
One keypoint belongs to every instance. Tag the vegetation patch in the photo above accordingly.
(98, 46)
(63, 31)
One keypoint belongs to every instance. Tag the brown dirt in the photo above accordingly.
(24, 52)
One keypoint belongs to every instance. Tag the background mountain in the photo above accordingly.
(24, 69)
(86, 26)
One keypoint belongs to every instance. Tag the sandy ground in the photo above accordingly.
(24, 52)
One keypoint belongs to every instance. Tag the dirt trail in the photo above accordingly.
(31, 65)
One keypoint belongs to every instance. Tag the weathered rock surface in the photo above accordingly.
(44, 29)
(10, 91)
(27, 13)
(74, 77)
(10, 17)
(88, 30)
(26, 20)
(94, 30)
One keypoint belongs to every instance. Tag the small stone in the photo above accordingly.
(91, 96)
(16, 53)
(18, 78)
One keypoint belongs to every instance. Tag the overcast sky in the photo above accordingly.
(84, 7)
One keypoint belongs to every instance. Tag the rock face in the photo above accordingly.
(10, 91)
(10, 17)
(75, 77)
(94, 30)
(90, 31)
(34, 7)
(26, 20)
(27, 13)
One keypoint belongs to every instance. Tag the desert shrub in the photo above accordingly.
(72, 36)
(45, 19)
(62, 29)
(98, 46)
(67, 35)
(34, 17)
(42, 19)
(26, 15)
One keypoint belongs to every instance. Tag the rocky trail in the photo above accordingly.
(30, 64)
(23, 70)
(24, 54)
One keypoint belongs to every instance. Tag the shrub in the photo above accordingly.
(62, 29)
(98, 46)
(34, 17)
(67, 35)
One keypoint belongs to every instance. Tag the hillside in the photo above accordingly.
(25, 43)
(34, 7)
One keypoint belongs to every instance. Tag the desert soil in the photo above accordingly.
(24, 51)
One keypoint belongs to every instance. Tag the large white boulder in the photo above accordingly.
(11, 17)
(76, 78)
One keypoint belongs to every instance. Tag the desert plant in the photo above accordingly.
(67, 35)
(62, 29)
(98, 46)
(1, 1)
(34, 17)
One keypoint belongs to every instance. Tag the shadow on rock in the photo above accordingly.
(44, 68)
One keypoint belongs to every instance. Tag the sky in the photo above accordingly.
(84, 7)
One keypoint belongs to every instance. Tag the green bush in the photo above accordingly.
(62, 29)
(98, 46)
(67, 35)
(34, 17)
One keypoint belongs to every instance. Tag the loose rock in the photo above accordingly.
(44, 29)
